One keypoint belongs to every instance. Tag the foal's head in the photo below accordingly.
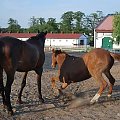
(56, 60)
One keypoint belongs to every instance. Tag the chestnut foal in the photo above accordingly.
(73, 69)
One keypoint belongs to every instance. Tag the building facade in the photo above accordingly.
(103, 34)
(54, 39)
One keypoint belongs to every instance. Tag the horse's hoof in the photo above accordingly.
(41, 100)
(93, 102)
(109, 95)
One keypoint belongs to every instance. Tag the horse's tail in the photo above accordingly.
(116, 56)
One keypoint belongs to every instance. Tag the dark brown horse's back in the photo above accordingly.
(24, 55)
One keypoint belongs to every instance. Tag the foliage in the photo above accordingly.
(13, 26)
(41, 25)
(78, 18)
(116, 28)
(66, 23)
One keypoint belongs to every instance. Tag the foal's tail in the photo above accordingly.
(116, 56)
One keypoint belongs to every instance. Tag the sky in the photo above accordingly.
(23, 10)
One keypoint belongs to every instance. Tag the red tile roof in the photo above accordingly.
(106, 25)
(63, 36)
(49, 35)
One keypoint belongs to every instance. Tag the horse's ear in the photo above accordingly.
(53, 50)
(45, 32)
(60, 50)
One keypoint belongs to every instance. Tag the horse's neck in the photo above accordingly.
(60, 59)
(36, 43)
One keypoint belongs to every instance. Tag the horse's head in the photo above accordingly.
(39, 38)
(42, 36)
(58, 57)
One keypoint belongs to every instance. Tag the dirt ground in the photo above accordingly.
(63, 108)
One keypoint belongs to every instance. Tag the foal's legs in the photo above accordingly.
(53, 80)
(39, 74)
(2, 85)
(111, 80)
(103, 85)
(22, 87)
(63, 86)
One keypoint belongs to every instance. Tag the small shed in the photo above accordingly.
(83, 40)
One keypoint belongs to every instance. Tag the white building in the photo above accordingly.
(54, 39)
(103, 34)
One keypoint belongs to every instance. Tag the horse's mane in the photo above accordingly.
(39, 35)
(57, 52)
(33, 38)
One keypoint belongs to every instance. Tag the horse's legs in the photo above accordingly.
(10, 79)
(2, 85)
(22, 87)
(103, 85)
(111, 80)
(39, 74)
(53, 80)
(63, 86)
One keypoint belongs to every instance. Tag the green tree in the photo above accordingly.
(35, 24)
(41, 21)
(94, 19)
(52, 25)
(13, 26)
(78, 18)
(116, 27)
(91, 21)
(33, 21)
(67, 22)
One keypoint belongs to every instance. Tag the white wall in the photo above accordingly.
(98, 40)
(61, 42)
(23, 39)
(58, 42)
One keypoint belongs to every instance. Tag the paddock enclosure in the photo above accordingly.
(58, 109)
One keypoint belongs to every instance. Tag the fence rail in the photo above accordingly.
(82, 48)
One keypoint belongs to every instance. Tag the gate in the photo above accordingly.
(107, 43)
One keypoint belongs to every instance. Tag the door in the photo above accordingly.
(107, 43)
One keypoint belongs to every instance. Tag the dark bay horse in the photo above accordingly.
(73, 69)
(22, 56)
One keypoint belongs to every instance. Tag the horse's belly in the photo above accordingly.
(81, 77)
(24, 67)
(77, 77)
